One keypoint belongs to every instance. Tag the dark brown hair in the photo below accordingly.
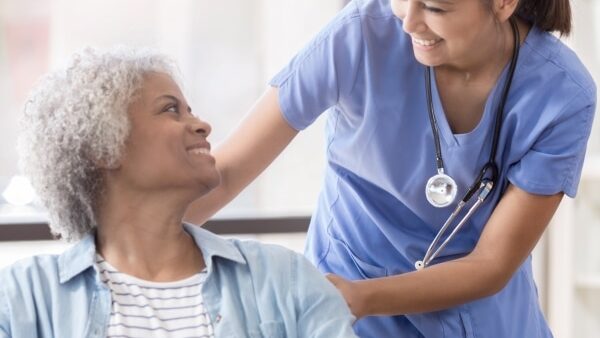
(548, 15)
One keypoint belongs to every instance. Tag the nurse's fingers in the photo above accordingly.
(334, 279)
(352, 293)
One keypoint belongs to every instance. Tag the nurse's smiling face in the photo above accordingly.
(447, 32)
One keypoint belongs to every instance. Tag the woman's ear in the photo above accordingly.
(108, 166)
(102, 163)
(504, 9)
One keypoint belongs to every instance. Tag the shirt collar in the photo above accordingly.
(213, 245)
(77, 259)
(80, 257)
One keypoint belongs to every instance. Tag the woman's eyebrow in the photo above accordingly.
(167, 96)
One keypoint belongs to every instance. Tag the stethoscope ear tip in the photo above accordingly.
(419, 265)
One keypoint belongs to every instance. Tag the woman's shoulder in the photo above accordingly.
(276, 255)
(274, 262)
(22, 281)
(31, 293)
(30, 273)
(27, 268)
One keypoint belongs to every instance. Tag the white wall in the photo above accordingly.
(227, 52)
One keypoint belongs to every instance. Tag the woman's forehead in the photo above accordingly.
(158, 84)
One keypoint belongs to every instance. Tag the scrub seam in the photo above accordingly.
(551, 60)
(361, 57)
(441, 322)
(285, 110)
(569, 172)
(337, 190)
(472, 319)
(336, 118)
(328, 236)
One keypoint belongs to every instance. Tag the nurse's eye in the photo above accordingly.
(434, 10)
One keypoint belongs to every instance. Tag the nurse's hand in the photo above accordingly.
(354, 294)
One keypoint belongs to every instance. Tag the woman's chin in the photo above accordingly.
(207, 182)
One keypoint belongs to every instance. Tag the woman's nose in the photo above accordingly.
(201, 127)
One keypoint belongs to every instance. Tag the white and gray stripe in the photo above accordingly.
(149, 309)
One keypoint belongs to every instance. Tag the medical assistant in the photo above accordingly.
(251, 290)
(372, 218)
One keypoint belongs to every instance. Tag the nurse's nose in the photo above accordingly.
(413, 20)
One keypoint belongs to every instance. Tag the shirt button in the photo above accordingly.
(218, 319)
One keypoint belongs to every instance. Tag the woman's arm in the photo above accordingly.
(320, 309)
(508, 238)
(4, 308)
(254, 144)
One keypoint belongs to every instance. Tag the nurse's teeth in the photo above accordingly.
(426, 42)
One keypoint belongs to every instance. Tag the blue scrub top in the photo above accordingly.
(373, 218)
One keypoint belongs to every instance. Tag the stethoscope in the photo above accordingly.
(440, 189)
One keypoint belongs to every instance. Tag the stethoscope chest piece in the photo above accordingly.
(440, 190)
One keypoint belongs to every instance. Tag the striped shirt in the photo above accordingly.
(150, 309)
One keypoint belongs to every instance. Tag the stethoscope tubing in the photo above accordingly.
(484, 191)
(481, 184)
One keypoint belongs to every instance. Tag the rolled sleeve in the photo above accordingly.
(555, 161)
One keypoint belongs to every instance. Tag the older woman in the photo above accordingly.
(116, 155)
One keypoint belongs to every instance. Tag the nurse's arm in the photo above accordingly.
(508, 238)
(254, 144)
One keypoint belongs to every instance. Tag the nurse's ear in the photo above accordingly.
(504, 9)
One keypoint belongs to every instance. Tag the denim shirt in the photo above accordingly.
(251, 290)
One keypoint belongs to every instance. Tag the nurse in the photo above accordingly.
(413, 89)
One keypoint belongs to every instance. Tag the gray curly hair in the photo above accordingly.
(76, 118)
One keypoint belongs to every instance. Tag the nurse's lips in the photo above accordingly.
(426, 42)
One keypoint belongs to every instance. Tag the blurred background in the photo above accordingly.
(227, 51)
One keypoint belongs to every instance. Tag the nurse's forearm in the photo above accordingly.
(510, 235)
(435, 288)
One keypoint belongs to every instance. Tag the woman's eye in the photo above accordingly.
(172, 109)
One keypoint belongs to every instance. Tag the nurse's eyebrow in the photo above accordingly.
(171, 97)
(448, 2)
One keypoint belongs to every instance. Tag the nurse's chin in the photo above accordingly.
(428, 62)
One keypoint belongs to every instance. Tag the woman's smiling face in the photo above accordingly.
(167, 147)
